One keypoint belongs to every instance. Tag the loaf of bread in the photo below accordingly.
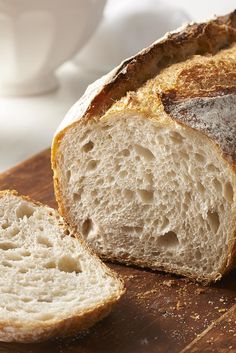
(51, 283)
(144, 163)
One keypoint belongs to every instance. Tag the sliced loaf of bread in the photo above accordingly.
(50, 282)
(144, 163)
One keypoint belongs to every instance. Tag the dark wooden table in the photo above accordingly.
(158, 313)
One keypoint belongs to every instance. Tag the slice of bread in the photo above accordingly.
(51, 283)
(144, 163)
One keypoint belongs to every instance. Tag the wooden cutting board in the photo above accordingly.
(158, 313)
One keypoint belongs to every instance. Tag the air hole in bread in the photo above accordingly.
(222, 208)
(143, 152)
(92, 165)
(6, 264)
(165, 224)
(13, 256)
(96, 202)
(176, 137)
(171, 174)
(44, 300)
(26, 299)
(117, 165)
(160, 139)
(25, 253)
(212, 168)
(124, 153)
(5, 225)
(128, 194)
(199, 157)
(123, 174)
(81, 180)
(228, 192)
(44, 241)
(50, 264)
(148, 178)
(145, 195)
(168, 240)
(58, 293)
(10, 308)
(66, 232)
(198, 254)
(200, 187)
(76, 196)
(110, 179)
(213, 220)
(187, 197)
(14, 231)
(23, 270)
(117, 192)
(87, 227)
(7, 245)
(100, 181)
(24, 210)
(88, 147)
(217, 185)
(184, 155)
(68, 175)
(187, 179)
(68, 264)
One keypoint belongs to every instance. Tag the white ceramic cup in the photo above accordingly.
(37, 36)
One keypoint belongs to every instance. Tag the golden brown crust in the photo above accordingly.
(65, 326)
(157, 79)
(195, 39)
(205, 280)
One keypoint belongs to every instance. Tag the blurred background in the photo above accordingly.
(51, 50)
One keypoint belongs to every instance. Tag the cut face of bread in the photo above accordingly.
(144, 163)
(51, 284)
(150, 194)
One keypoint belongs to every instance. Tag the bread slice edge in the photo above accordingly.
(69, 326)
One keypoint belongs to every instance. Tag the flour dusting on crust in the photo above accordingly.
(215, 116)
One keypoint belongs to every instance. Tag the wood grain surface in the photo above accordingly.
(158, 313)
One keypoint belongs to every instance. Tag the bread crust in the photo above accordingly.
(132, 73)
(202, 39)
(15, 332)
